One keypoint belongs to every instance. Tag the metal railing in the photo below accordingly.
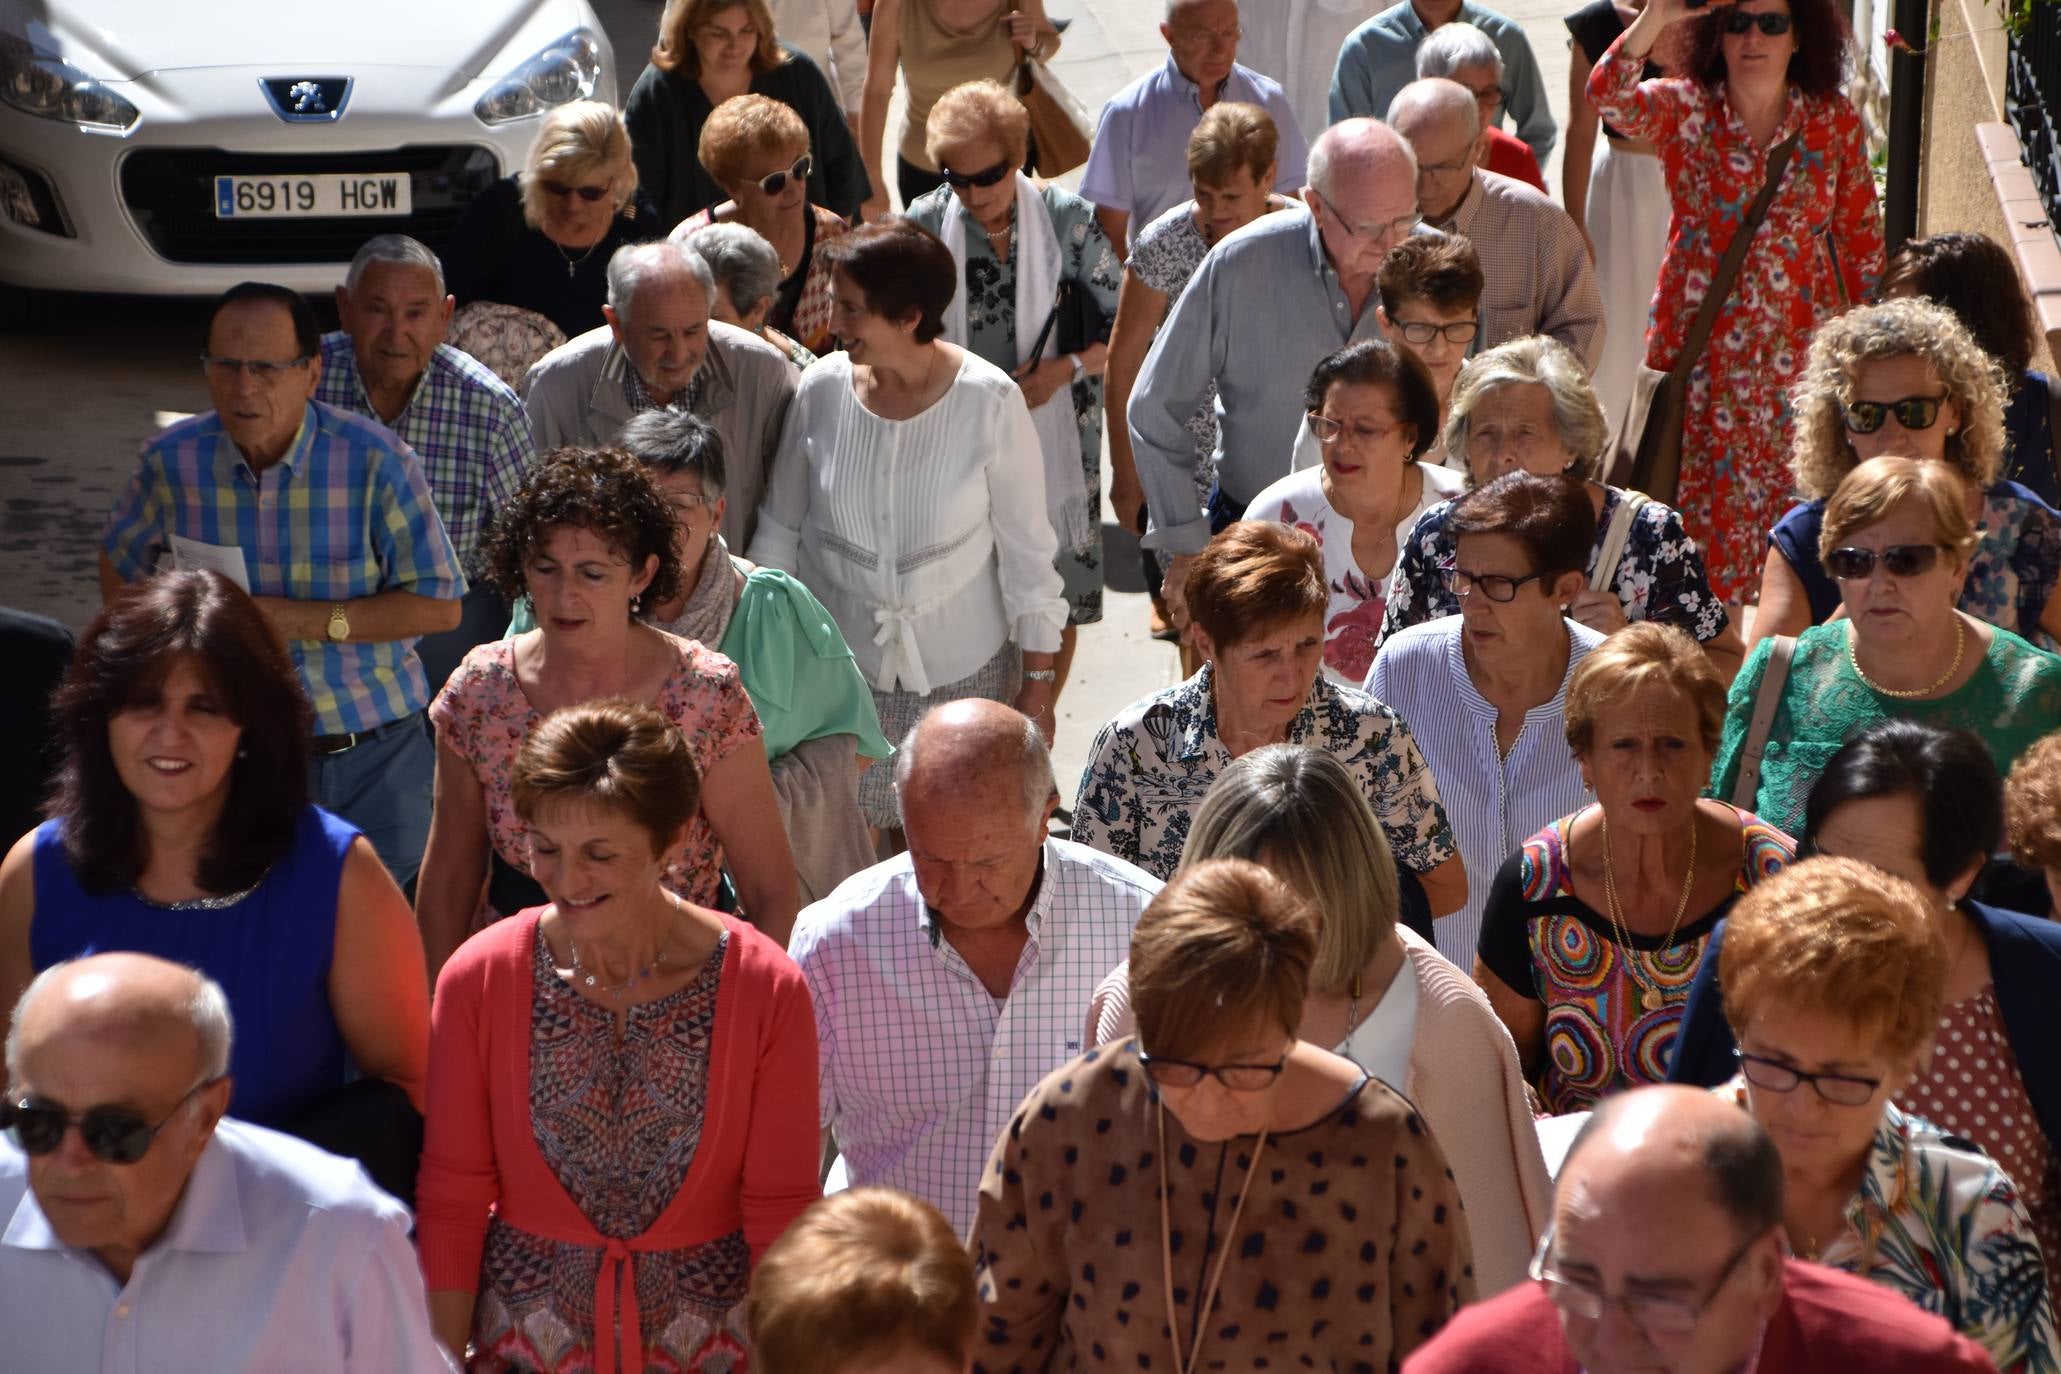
(2032, 101)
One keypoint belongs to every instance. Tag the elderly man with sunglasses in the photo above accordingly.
(326, 518)
(144, 1231)
(1666, 1251)
(659, 349)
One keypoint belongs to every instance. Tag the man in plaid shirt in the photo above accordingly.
(467, 427)
(326, 519)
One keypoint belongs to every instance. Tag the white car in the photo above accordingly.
(176, 147)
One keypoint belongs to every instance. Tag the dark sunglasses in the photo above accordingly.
(1898, 560)
(1738, 21)
(960, 182)
(590, 194)
(113, 1134)
(773, 183)
(1912, 412)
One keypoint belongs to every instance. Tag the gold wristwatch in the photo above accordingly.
(339, 628)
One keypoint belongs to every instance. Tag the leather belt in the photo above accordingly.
(343, 744)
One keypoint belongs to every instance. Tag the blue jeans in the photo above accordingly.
(382, 786)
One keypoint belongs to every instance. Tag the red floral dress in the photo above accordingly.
(1820, 250)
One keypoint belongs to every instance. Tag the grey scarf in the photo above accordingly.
(714, 599)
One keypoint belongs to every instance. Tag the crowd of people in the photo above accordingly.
(632, 644)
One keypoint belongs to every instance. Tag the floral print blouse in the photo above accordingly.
(1936, 1220)
(1149, 769)
(484, 715)
(1660, 577)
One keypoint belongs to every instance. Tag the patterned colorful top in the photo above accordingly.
(801, 301)
(1548, 944)
(1974, 1089)
(1357, 600)
(2011, 577)
(2013, 699)
(1149, 768)
(484, 715)
(1819, 250)
(1659, 578)
(345, 514)
(618, 1118)
(1936, 1220)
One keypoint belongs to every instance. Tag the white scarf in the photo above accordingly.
(1038, 265)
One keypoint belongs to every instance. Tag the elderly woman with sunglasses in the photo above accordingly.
(1833, 976)
(1906, 377)
(757, 149)
(1216, 1192)
(1528, 405)
(1037, 295)
(1897, 538)
(539, 242)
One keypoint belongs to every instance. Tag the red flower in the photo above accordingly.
(1349, 639)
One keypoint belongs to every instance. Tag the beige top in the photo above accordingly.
(935, 59)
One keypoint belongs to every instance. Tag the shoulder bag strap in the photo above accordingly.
(1727, 272)
(1615, 536)
(1766, 698)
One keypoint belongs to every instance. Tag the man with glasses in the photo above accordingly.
(1138, 166)
(141, 1229)
(1460, 52)
(1666, 1252)
(326, 519)
(389, 363)
(1533, 258)
(1268, 303)
(1380, 58)
(659, 349)
(949, 981)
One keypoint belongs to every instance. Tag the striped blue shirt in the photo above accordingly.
(1495, 801)
(345, 514)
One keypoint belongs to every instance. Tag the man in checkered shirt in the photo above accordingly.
(951, 979)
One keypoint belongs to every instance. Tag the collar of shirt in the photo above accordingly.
(1735, 127)
(1237, 86)
(1034, 919)
(1320, 261)
(1463, 681)
(208, 1219)
(1194, 708)
(1412, 23)
(230, 462)
(1886, 1182)
(1461, 221)
(344, 356)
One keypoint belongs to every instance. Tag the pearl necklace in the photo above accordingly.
(1960, 645)
(1651, 997)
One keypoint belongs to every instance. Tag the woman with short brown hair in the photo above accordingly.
(1215, 1120)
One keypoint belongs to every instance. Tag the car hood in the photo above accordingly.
(119, 40)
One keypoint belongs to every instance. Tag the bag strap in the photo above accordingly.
(1727, 273)
(1615, 536)
(1051, 319)
(1766, 697)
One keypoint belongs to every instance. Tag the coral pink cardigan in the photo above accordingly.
(755, 1168)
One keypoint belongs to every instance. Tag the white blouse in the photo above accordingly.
(925, 538)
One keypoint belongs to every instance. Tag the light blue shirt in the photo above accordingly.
(1139, 162)
(1263, 309)
(279, 1257)
(1381, 58)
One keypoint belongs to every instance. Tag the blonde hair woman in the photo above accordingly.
(1906, 377)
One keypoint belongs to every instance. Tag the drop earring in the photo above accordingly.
(636, 605)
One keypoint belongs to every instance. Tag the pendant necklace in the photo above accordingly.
(572, 264)
(1651, 997)
(618, 991)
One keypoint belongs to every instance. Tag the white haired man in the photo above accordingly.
(1460, 52)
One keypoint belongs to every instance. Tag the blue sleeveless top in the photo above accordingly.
(271, 952)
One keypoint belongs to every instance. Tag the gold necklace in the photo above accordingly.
(1651, 997)
(1960, 644)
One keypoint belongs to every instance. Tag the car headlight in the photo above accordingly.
(39, 84)
(567, 70)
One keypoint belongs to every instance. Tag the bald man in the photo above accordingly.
(145, 1231)
(951, 979)
(1534, 260)
(1666, 1253)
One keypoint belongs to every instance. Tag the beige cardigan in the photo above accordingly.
(1465, 1081)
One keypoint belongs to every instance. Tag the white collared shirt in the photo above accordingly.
(279, 1257)
(921, 1067)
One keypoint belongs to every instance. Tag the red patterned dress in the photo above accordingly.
(1548, 944)
(1820, 250)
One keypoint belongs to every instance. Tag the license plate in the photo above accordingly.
(317, 195)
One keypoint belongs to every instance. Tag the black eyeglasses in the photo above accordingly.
(1898, 560)
(1653, 1315)
(1419, 332)
(1494, 586)
(1840, 1089)
(114, 1134)
(1912, 412)
(959, 181)
(773, 183)
(260, 368)
(590, 194)
(1738, 21)
(1186, 1073)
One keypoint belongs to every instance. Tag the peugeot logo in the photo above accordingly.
(307, 99)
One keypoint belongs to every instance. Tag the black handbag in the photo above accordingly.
(1077, 317)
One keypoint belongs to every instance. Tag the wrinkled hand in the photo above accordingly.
(1034, 699)
(1041, 378)
(1127, 495)
(1173, 590)
(1023, 30)
(873, 207)
(1600, 611)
